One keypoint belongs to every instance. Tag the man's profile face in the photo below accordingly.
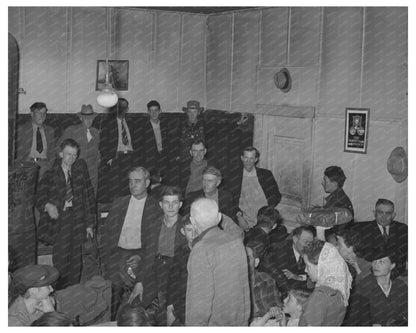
(138, 184)
(170, 205)
(198, 152)
(69, 155)
(328, 185)
(154, 112)
(347, 252)
(304, 239)
(384, 215)
(39, 116)
(249, 160)
(192, 115)
(210, 183)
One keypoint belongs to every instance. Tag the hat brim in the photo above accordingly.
(91, 115)
(185, 109)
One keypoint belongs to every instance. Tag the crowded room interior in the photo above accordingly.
(208, 166)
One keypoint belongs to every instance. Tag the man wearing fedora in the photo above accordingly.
(33, 287)
(384, 231)
(35, 141)
(88, 138)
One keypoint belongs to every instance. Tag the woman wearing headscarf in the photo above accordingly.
(328, 303)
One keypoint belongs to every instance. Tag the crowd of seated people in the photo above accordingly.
(198, 254)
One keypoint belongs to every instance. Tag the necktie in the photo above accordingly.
(301, 264)
(385, 235)
(69, 196)
(89, 136)
(39, 143)
(124, 138)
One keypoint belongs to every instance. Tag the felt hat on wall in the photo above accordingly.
(397, 164)
(283, 80)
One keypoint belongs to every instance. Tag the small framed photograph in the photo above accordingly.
(118, 74)
(356, 130)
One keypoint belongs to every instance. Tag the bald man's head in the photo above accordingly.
(204, 214)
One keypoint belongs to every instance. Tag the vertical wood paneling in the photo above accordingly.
(192, 74)
(341, 60)
(14, 22)
(134, 41)
(304, 36)
(87, 45)
(245, 60)
(385, 55)
(219, 61)
(165, 88)
(43, 58)
(274, 31)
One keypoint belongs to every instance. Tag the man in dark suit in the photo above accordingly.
(256, 188)
(130, 240)
(35, 141)
(211, 180)
(88, 139)
(118, 144)
(384, 231)
(152, 135)
(284, 260)
(66, 201)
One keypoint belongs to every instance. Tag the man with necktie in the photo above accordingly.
(384, 232)
(118, 147)
(66, 201)
(88, 138)
(35, 141)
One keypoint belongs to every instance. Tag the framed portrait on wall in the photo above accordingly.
(356, 130)
(118, 74)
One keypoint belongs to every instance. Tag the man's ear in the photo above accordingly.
(160, 204)
(182, 231)
(219, 217)
(393, 215)
(242, 158)
(180, 204)
(393, 266)
(218, 182)
(61, 155)
(147, 183)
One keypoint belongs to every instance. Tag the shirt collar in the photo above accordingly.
(202, 234)
(252, 173)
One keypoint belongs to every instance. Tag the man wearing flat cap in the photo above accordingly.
(88, 138)
(33, 286)
(35, 141)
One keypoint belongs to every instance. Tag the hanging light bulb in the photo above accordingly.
(108, 96)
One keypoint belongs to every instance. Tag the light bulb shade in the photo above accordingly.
(107, 97)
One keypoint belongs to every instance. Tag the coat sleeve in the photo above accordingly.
(314, 312)
(271, 189)
(200, 289)
(43, 195)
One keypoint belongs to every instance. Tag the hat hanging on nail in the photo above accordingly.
(397, 164)
(283, 80)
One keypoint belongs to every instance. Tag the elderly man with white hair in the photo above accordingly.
(217, 291)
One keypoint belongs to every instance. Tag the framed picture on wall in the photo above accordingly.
(118, 74)
(356, 130)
